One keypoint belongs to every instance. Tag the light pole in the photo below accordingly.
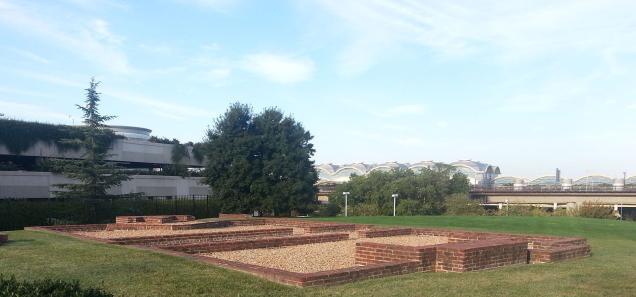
(394, 199)
(346, 194)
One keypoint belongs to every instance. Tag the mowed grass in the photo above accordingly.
(129, 272)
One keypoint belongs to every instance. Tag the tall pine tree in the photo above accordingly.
(94, 173)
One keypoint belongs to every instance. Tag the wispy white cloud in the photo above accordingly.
(548, 97)
(29, 55)
(406, 109)
(279, 68)
(400, 110)
(510, 30)
(19, 110)
(20, 92)
(163, 108)
(99, 4)
(91, 40)
(216, 5)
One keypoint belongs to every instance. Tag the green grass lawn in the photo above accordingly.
(129, 272)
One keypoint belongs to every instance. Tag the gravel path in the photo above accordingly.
(141, 233)
(409, 240)
(318, 256)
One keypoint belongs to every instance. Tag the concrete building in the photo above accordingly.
(133, 151)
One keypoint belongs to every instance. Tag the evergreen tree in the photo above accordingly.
(95, 175)
(260, 162)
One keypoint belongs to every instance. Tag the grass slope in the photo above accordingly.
(129, 272)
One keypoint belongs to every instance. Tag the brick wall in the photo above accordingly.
(384, 232)
(479, 255)
(178, 239)
(234, 216)
(373, 253)
(232, 245)
(77, 228)
(559, 253)
(346, 275)
(154, 219)
(323, 278)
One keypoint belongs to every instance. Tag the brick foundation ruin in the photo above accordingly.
(464, 251)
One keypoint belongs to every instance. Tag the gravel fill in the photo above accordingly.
(318, 256)
(142, 233)
(409, 240)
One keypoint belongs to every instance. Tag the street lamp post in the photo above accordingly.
(346, 194)
(394, 199)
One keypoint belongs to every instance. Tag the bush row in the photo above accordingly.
(9, 286)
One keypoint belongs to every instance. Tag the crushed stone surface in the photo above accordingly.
(317, 257)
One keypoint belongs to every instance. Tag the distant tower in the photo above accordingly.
(558, 176)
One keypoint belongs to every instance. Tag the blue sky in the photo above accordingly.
(529, 86)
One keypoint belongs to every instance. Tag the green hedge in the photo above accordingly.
(19, 213)
(46, 288)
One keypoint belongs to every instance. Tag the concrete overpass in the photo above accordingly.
(555, 199)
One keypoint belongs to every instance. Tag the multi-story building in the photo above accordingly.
(24, 173)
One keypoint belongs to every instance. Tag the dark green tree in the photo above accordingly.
(260, 162)
(94, 174)
(459, 184)
(421, 193)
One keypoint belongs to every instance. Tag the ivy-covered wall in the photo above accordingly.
(18, 136)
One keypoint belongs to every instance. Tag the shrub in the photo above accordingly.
(328, 210)
(523, 210)
(46, 288)
(409, 207)
(594, 210)
(460, 204)
(366, 209)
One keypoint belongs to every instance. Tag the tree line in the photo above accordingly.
(254, 161)
(259, 161)
(419, 193)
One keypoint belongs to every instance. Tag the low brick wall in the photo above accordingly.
(479, 255)
(165, 219)
(233, 245)
(182, 239)
(76, 228)
(234, 216)
(185, 226)
(329, 228)
(347, 275)
(559, 254)
(3, 238)
(370, 233)
(323, 278)
(373, 253)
